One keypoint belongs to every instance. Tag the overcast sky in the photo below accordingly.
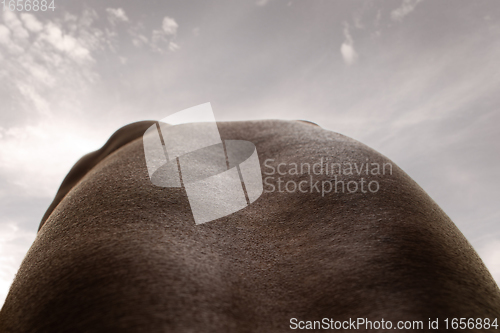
(416, 80)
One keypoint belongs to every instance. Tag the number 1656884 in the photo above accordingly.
(28, 5)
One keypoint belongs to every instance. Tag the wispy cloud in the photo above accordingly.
(347, 50)
(161, 40)
(490, 253)
(406, 8)
(262, 3)
(12, 250)
(21, 148)
(47, 61)
(378, 18)
(12, 34)
(116, 15)
(169, 26)
(52, 66)
(357, 19)
(31, 22)
(166, 35)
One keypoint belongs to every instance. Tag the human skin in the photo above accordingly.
(116, 253)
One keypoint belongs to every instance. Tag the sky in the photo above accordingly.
(416, 80)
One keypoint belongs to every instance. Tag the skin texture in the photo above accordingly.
(117, 254)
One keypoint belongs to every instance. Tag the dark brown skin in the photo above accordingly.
(117, 254)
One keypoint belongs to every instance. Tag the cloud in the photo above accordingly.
(49, 80)
(14, 24)
(358, 20)
(116, 15)
(262, 3)
(73, 47)
(406, 8)
(31, 94)
(347, 50)
(138, 40)
(161, 39)
(31, 22)
(490, 253)
(173, 46)
(4, 35)
(377, 18)
(166, 36)
(48, 63)
(13, 245)
(169, 26)
(22, 147)
(12, 31)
